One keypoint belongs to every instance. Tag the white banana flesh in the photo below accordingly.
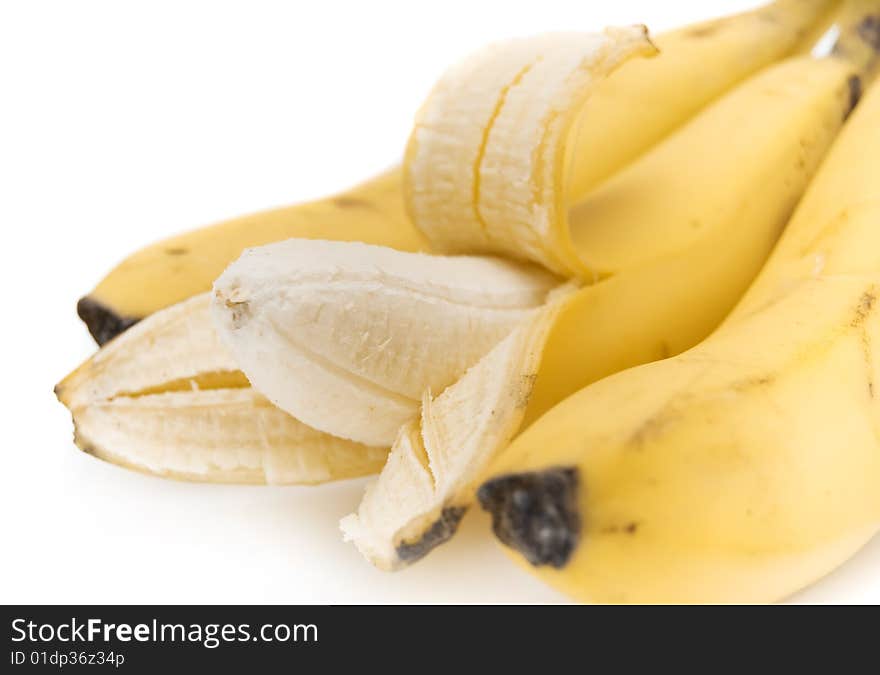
(166, 398)
(347, 337)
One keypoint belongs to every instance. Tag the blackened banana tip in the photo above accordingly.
(536, 513)
(103, 323)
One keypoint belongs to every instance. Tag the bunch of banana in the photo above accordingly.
(565, 211)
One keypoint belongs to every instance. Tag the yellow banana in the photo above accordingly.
(745, 468)
(698, 64)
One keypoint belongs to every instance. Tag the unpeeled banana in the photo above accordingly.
(745, 468)
(631, 111)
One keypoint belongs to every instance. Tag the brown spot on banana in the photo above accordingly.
(703, 31)
(864, 308)
(103, 323)
(863, 311)
(652, 426)
(630, 528)
(347, 202)
(855, 94)
(869, 31)
(536, 513)
(665, 351)
(753, 383)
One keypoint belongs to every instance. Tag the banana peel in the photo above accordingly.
(166, 398)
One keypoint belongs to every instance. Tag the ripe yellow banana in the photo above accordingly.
(166, 398)
(635, 108)
(745, 468)
(677, 208)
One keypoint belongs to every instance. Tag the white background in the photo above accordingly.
(123, 122)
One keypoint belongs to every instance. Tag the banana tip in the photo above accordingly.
(535, 513)
(103, 323)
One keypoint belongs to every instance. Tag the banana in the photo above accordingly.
(676, 208)
(745, 468)
(166, 398)
(346, 337)
(629, 112)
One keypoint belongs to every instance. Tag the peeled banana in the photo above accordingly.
(630, 112)
(347, 337)
(745, 468)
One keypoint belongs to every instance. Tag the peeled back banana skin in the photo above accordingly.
(166, 398)
(677, 84)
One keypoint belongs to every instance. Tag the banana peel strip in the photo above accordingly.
(166, 398)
